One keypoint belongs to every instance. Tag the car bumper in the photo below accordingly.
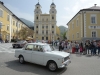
(66, 63)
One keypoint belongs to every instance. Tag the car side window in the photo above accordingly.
(29, 47)
(37, 48)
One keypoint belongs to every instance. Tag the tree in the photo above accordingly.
(63, 35)
(25, 32)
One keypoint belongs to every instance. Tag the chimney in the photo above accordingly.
(95, 5)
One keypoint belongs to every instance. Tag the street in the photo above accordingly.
(80, 64)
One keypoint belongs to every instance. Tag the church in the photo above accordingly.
(45, 24)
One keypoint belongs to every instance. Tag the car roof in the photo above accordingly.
(38, 43)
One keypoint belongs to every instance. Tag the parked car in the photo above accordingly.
(43, 54)
(19, 44)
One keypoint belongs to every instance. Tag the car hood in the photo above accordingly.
(59, 53)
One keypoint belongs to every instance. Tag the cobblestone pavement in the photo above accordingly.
(80, 65)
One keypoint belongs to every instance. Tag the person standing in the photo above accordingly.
(98, 48)
(81, 48)
(95, 47)
(73, 47)
(60, 45)
(92, 48)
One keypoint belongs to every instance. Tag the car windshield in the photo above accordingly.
(48, 48)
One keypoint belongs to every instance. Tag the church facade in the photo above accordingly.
(45, 24)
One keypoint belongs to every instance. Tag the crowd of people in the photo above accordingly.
(87, 47)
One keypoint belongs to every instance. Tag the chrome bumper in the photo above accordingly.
(66, 63)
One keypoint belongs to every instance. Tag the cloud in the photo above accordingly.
(77, 6)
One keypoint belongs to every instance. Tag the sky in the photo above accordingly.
(66, 9)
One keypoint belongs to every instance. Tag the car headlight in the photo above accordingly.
(62, 60)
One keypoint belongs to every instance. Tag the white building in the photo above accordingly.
(45, 24)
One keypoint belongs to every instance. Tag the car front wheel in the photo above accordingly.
(52, 66)
(21, 59)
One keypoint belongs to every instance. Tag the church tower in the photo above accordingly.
(53, 13)
(37, 13)
(45, 24)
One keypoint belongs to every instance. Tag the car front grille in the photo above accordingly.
(66, 58)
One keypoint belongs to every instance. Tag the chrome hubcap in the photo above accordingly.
(52, 66)
(21, 59)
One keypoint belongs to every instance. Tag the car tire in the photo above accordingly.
(21, 60)
(52, 66)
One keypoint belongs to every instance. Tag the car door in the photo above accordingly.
(28, 53)
(38, 55)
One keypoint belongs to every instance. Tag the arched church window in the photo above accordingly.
(37, 17)
(52, 11)
(52, 17)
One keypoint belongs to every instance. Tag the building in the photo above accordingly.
(85, 25)
(45, 24)
(10, 24)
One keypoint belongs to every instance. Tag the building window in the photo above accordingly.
(42, 32)
(52, 32)
(77, 35)
(1, 13)
(93, 19)
(37, 17)
(46, 26)
(42, 38)
(46, 32)
(36, 26)
(16, 24)
(94, 34)
(52, 26)
(19, 25)
(77, 22)
(37, 32)
(46, 38)
(0, 25)
(8, 17)
(52, 11)
(52, 17)
(13, 22)
(7, 27)
(43, 27)
(73, 36)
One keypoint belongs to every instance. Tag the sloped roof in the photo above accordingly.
(52, 3)
(38, 3)
(93, 8)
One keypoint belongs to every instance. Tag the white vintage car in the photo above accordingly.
(43, 54)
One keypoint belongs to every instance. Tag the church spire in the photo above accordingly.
(38, 3)
(52, 2)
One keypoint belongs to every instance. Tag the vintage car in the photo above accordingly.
(43, 54)
(19, 44)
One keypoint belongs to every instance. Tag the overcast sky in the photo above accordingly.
(66, 9)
